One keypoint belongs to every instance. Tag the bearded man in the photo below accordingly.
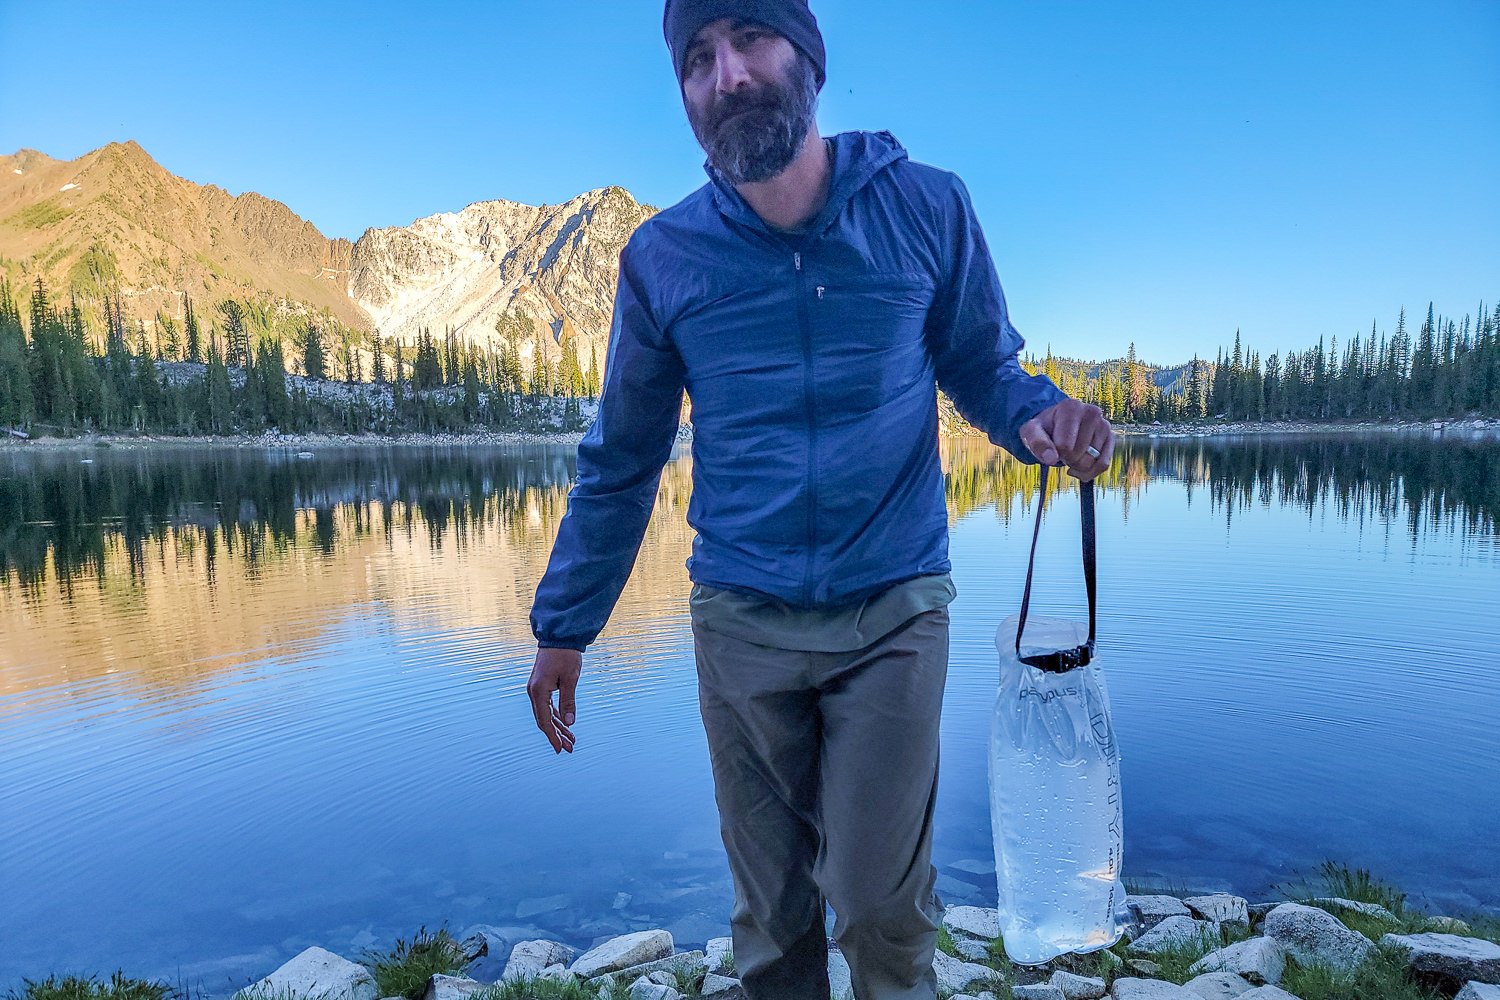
(810, 298)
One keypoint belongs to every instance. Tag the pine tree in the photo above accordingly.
(313, 362)
(190, 324)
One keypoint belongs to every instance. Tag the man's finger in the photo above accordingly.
(567, 706)
(1065, 431)
(1102, 440)
(541, 710)
(1039, 443)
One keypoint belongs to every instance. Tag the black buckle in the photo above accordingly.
(1063, 660)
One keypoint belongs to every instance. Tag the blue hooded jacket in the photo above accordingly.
(811, 360)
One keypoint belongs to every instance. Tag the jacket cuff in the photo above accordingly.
(562, 644)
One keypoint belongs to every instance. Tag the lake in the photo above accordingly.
(252, 702)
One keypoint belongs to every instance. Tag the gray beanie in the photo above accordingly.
(792, 19)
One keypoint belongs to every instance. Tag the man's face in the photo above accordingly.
(750, 98)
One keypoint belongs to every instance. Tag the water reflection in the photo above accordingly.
(63, 521)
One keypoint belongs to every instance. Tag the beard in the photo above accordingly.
(753, 136)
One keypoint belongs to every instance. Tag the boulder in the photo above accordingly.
(1268, 993)
(715, 985)
(975, 921)
(971, 948)
(1449, 957)
(622, 952)
(1478, 991)
(663, 978)
(315, 972)
(1150, 989)
(718, 954)
(1152, 910)
(1368, 909)
(1078, 987)
(530, 958)
(1448, 925)
(953, 974)
(441, 987)
(690, 961)
(1221, 908)
(840, 979)
(1037, 991)
(1218, 986)
(1258, 960)
(645, 989)
(1175, 931)
(1315, 937)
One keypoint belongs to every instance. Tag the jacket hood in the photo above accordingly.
(857, 157)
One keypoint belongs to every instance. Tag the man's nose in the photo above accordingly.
(733, 73)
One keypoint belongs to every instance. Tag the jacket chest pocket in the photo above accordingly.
(868, 335)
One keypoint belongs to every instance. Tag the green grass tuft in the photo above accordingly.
(404, 971)
(945, 943)
(1383, 975)
(546, 988)
(119, 987)
(1358, 885)
(1179, 956)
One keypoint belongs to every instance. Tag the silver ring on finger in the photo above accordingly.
(1093, 452)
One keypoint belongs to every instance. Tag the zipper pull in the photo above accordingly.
(797, 261)
(820, 291)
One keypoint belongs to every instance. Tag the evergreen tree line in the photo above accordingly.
(1450, 368)
(59, 373)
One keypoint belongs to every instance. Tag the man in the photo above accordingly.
(807, 298)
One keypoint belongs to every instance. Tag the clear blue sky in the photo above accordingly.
(1159, 172)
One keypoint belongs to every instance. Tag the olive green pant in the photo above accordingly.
(825, 772)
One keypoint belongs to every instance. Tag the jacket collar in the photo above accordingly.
(857, 157)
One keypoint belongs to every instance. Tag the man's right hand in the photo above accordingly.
(555, 670)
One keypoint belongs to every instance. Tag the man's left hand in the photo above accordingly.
(1064, 433)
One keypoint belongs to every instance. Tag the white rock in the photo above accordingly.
(645, 989)
(1368, 909)
(1218, 986)
(663, 977)
(1037, 991)
(1315, 937)
(441, 987)
(716, 955)
(622, 952)
(1220, 907)
(312, 973)
(559, 972)
(840, 979)
(690, 962)
(1152, 910)
(1448, 925)
(1173, 931)
(1078, 987)
(1479, 991)
(530, 958)
(1150, 989)
(954, 975)
(1268, 993)
(975, 921)
(1448, 955)
(971, 948)
(714, 983)
(1257, 959)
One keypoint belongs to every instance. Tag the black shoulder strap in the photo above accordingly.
(1079, 656)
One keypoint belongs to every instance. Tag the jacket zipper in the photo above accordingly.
(812, 428)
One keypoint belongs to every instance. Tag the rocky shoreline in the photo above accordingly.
(1209, 947)
(1466, 427)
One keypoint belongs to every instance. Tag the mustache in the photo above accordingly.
(727, 107)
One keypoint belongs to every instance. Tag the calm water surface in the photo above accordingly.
(251, 703)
